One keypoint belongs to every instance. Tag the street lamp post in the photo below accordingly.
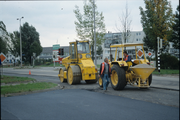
(20, 38)
(94, 34)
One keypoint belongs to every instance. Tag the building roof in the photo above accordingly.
(127, 45)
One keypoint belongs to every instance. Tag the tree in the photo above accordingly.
(14, 44)
(30, 42)
(85, 27)
(174, 34)
(125, 24)
(4, 38)
(156, 22)
(99, 50)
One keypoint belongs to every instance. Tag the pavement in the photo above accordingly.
(165, 82)
(74, 104)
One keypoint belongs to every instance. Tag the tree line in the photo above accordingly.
(11, 41)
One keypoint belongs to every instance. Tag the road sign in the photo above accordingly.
(56, 47)
(149, 54)
(140, 53)
(34, 55)
(2, 57)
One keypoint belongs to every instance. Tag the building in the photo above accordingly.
(47, 52)
(134, 37)
(173, 51)
(116, 38)
(66, 50)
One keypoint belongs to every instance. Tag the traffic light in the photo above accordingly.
(60, 51)
(163, 43)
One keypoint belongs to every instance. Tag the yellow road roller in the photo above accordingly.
(136, 72)
(78, 65)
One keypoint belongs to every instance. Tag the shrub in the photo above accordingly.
(48, 63)
(168, 61)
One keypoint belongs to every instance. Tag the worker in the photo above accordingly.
(105, 73)
(127, 58)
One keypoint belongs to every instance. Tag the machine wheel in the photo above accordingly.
(74, 75)
(61, 72)
(118, 78)
(92, 81)
(100, 82)
(150, 79)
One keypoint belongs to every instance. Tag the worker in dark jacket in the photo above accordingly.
(105, 73)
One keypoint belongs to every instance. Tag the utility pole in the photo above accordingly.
(34, 56)
(20, 38)
(94, 35)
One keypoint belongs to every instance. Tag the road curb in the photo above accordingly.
(33, 74)
(164, 88)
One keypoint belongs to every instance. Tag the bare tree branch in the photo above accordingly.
(125, 24)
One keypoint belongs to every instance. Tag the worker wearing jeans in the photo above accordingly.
(106, 81)
(105, 73)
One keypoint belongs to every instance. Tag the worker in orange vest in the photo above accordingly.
(127, 58)
(105, 73)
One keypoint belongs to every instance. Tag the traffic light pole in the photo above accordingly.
(159, 68)
(54, 62)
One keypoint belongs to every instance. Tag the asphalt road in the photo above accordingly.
(153, 95)
(88, 101)
(74, 104)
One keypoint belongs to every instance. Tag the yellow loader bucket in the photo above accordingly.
(143, 70)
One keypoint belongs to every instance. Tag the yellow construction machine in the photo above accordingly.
(136, 72)
(79, 65)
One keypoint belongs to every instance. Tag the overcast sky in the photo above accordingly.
(54, 20)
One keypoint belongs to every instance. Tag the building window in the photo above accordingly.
(139, 33)
(137, 39)
(136, 33)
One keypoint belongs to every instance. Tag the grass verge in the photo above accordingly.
(98, 66)
(26, 87)
(165, 71)
(14, 79)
